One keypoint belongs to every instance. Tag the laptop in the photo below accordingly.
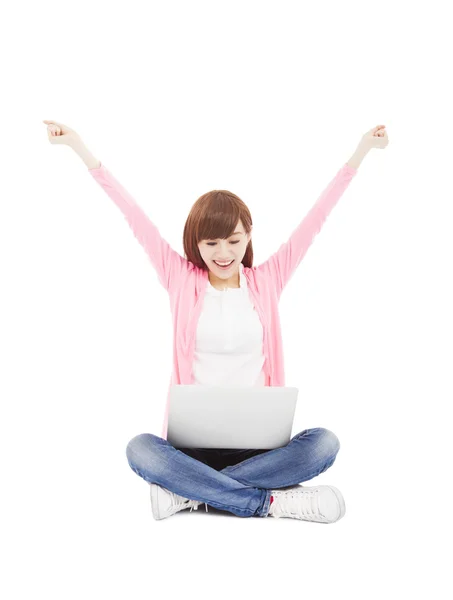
(233, 417)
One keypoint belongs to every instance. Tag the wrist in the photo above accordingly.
(88, 158)
(361, 151)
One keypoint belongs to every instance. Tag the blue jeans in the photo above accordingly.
(237, 481)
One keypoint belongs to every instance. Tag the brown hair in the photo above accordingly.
(215, 216)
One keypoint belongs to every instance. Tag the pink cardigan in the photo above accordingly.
(186, 284)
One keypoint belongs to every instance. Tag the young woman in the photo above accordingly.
(226, 328)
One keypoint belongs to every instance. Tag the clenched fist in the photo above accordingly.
(61, 134)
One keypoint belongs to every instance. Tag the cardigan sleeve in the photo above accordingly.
(166, 261)
(280, 267)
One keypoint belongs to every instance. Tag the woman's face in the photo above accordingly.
(232, 248)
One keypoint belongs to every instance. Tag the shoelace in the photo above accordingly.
(195, 506)
(296, 503)
(176, 502)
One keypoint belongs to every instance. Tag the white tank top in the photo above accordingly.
(229, 339)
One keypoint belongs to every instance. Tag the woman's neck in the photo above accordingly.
(221, 284)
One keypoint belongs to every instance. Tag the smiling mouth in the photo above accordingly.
(224, 266)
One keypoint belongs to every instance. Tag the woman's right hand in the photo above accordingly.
(61, 134)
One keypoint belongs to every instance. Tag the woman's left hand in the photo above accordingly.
(376, 137)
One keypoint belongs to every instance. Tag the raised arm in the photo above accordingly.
(281, 266)
(166, 261)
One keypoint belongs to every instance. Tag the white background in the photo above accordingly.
(268, 100)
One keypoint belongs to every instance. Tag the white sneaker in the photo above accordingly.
(165, 503)
(323, 503)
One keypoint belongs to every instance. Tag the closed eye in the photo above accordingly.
(212, 243)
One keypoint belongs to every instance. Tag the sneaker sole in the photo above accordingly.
(154, 491)
(341, 502)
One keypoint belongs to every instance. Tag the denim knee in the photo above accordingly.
(137, 444)
(330, 440)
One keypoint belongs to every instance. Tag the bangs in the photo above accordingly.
(219, 221)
